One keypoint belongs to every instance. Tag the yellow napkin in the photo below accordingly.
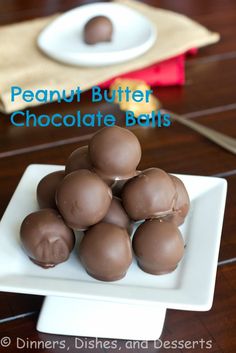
(22, 64)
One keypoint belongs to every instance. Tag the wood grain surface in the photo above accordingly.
(208, 97)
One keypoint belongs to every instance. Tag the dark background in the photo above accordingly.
(208, 97)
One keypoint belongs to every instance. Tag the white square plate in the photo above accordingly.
(189, 287)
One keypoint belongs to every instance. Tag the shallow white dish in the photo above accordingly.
(133, 35)
(189, 287)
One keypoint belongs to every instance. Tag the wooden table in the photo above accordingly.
(208, 97)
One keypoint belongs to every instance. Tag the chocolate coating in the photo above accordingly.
(118, 185)
(182, 204)
(105, 251)
(117, 215)
(150, 194)
(46, 189)
(78, 159)
(158, 246)
(83, 199)
(46, 238)
(115, 153)
(97, 30)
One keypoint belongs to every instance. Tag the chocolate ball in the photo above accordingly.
(97, 30)
(158, 246)
(182, 203)
(115, 153)
(83, 199)
(46, 238)
(150, 194)
(117, 215)
(46, 189)
(78, 159)
(105, 251)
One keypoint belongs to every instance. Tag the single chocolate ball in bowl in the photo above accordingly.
(78, 159)
(97, 30)
(106, 252)
(83, 199)
(115, 153)
(158, 246)
(182, 203)
(150, 194)
(46, 189)
(46, 238)
(117, 215)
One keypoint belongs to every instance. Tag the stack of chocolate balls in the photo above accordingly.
(102, 193)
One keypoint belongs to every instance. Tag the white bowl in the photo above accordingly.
(62, 40)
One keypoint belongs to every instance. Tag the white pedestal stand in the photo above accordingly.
(79, 317)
